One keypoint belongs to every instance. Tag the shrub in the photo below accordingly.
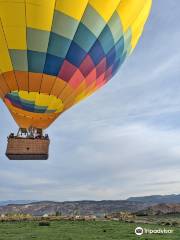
(167, 224)
(44, 224)
(174, 224)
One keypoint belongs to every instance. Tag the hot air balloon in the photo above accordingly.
(55, 53)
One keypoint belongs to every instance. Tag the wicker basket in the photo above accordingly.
(27, 149)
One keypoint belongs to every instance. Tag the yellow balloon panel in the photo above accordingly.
(14, 23)
(40, 14)
(5, 63)
(105, 8)
(71, 8)
(138, 25)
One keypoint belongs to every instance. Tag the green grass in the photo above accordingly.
(67, 230)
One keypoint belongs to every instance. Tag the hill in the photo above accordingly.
(156, 199)
(70, 208)
(156, 204)
(160, 209)
(8, 202)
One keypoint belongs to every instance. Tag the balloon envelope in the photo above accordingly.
(53, 53)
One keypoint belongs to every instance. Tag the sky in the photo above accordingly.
(123, 141)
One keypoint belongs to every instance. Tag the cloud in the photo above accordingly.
(114, 162)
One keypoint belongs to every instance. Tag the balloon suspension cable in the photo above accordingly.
(31, 133)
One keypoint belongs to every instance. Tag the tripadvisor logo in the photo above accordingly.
(139, 231)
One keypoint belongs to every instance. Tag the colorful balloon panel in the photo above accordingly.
(54, 53)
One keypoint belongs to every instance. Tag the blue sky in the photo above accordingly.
(124, 140)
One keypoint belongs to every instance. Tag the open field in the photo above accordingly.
(80, 230)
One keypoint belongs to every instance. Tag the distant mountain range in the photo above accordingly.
(160, 209)
(8, 202)
(98, 208)
(155, 199)
(145, 205)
